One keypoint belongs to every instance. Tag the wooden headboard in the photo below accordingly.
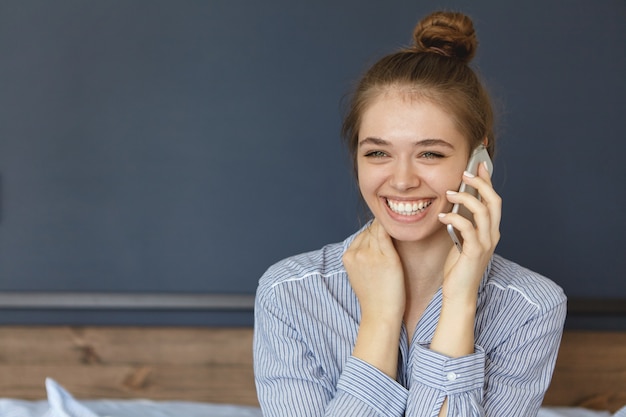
(590, 371)
(215, 364)
(161, 363)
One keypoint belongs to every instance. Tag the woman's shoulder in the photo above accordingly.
(536, 289)
(321, 262)
(324, 262)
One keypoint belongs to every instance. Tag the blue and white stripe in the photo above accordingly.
(306, 323)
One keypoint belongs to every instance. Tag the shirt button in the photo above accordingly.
(451, 376)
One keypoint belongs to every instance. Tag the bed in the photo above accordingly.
(194, 371)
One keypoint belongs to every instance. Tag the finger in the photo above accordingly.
(465, 228)
(483, 172)
(492, 200)
(381, 234)
(478, 236)
(481, 216)
(358, 240)
(483, 182)
(356, 246)
(380, 239)
(365, 241)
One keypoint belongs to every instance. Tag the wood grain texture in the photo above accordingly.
(215, 364)
(192, 364)
(590, 371)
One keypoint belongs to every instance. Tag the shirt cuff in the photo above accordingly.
(373, 387)
(450, 375)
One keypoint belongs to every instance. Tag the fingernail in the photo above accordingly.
(441, 215)
(451, 192)
(468, 174)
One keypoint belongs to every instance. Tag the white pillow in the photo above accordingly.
(62, 404)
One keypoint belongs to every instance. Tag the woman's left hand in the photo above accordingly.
(463, 271)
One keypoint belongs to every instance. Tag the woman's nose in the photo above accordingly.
(404, 176)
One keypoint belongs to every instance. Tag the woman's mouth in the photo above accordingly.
(408, 208)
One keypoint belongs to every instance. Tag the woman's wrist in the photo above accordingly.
(377, 344)
(454, 335)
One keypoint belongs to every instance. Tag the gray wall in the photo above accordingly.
(184, 146)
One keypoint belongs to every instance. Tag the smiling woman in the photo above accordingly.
(421, 156)
(394, 320)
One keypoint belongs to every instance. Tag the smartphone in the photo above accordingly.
(479, 156)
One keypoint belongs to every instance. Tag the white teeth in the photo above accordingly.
(406, 208)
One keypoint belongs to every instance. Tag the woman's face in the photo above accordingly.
(409, 154)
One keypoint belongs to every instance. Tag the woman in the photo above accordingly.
(395, 321)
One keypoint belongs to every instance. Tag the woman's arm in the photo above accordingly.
(377, 278)
(291, 379)
(511, 379)
(508, 380)
(463, 272)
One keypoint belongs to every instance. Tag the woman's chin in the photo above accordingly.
(414, 233)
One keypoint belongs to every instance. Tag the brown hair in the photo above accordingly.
(435, 68)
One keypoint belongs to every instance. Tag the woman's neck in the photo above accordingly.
(423, 263)
(424, 260)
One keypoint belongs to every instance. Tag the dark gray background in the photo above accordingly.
(184, 146)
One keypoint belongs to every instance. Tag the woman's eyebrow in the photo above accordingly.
(423, 142)
(373, 141)
(434, 142)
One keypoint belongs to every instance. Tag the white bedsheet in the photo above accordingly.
(60, 403)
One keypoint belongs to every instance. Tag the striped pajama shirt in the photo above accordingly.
(306, 324)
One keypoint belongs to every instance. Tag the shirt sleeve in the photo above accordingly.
(290, 381)
(519, 371)
(438, 377)
(511, 380)
(361, 382)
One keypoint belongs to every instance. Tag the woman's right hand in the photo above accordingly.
(376, 276)
(375, 273)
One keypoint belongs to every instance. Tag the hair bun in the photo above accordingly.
(449, 34)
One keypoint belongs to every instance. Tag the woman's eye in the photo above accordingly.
(375, 154)
(431, 155)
